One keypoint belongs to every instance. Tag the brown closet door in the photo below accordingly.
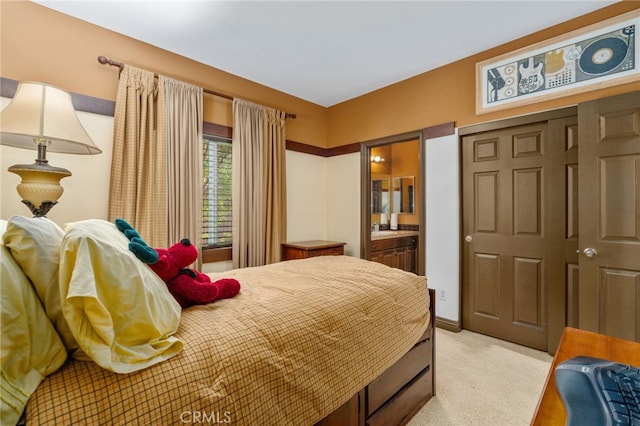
(609, 191)
(562, 235)
(504, 226)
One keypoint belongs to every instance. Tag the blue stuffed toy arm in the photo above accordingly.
(142, 250)
(137, 245)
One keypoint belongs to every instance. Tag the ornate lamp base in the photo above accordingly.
(42, 210)
(40, 187)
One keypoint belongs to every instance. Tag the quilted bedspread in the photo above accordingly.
(300, 339)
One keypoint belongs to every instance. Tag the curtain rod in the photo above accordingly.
(106, 61)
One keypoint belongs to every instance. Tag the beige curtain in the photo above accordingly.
(184, 161)
(258, 184)
(138, 186)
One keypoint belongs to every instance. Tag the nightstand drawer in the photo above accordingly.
(332, 251)
(306, 249)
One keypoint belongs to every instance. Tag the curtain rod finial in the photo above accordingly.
(103, 59)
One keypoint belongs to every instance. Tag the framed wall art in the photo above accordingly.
(597, 56)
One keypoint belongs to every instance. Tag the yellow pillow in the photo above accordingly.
(120, 312)
(35, 246)
(30, 348)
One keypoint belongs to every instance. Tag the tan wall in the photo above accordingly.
(39, 44)
(448, 93)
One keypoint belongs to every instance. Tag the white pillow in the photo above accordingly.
(119, 311)
(35, 245)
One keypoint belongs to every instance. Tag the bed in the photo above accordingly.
(326, 340)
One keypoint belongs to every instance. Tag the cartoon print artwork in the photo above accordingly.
(531, 75)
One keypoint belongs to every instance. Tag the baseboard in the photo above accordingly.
(448, 324)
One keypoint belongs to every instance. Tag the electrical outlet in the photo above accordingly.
(443, 294)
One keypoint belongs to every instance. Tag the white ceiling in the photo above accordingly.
(325, 52)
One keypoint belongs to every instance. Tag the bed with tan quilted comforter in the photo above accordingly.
(300, 339)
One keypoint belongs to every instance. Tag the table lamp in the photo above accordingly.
(42, 117)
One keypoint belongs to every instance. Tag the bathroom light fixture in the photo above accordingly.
(377, 159)
(41, 116)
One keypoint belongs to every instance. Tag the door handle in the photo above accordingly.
(590, 252)
(468, 238)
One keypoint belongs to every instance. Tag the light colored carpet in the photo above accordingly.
(483, 381)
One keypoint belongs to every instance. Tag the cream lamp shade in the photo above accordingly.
(42, 117)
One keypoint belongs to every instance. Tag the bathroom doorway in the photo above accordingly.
(392, 194)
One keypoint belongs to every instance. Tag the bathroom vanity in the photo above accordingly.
(398, 249)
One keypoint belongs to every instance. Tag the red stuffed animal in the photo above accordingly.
(190, 287)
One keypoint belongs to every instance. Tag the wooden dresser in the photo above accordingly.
(306, 249)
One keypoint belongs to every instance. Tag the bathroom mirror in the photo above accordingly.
(380, 196)
(403, 194)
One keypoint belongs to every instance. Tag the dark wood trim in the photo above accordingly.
(216, 255)
(94, 105)
(217, 130)
(344, 149)
(440, 130)
(401, 137)
(322, 152)
(306, 149)
(447, 324)
(519, 121)
(227, 132)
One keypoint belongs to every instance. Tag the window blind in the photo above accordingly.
(216, 206)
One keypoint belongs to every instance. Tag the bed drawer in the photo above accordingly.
(400, 409)
(398, 375)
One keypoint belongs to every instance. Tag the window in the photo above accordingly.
(216, 205)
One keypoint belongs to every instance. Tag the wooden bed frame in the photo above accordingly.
(398, 393)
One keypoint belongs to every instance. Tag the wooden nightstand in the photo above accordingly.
(305, 249)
